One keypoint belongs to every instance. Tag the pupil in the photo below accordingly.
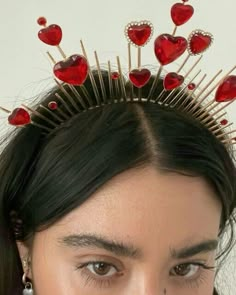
(101, 268)
(182, 269)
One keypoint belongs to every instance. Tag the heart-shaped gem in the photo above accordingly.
(199, 41)
(51, 35)
(168, 48)
(172, 81)
(73, 70)
(139, 78)
(19, 117)
(139, 33)
(181, 13)
(227, 90)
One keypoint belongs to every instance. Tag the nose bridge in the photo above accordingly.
(147, 283)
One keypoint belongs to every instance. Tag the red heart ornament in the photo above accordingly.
(139, 33)
(172, 81)
(181, 13)
(51, 35)
(199, 41)
(19, 117)
(73, 70)
(168, 48)
(139, 78)
(227, 90)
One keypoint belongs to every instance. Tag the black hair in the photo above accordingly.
(44, 177)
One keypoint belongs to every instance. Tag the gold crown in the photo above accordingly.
(179, 92)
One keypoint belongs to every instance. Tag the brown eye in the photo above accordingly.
(102, 269)
(185, 270)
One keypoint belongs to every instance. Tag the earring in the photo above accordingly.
(28, 285)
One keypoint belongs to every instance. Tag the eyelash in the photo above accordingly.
(105, 283)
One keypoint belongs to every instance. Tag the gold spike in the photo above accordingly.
(93, 82)
(175, 30)
(202, 111)
(5, 110)
(230, 132)
(122, 85)
(61, 51)
(104, 95)
(51, 113)
(41, 126)
(219, 110)
(154, 83)
(129, 57)
(70, 98)
(219, 82)
(64, 103)
(51, 58)
(77, 95)
(222, 128)
(86, 94)
(181, 91)
(139, 57)
(36, 113)
(215, 119)
(183, 64)
(186, 108)
(191, 94)
(202, 91)
(193, 67)
(111, 90)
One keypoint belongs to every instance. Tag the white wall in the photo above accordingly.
(25, 69)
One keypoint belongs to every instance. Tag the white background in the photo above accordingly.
(25, 69)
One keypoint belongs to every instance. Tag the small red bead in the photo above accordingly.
(115, 75)
(191, 86)
(42, 21)
(53, 105)
(224, 122)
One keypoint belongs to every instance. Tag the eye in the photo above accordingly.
(101, 269)
(186, 270)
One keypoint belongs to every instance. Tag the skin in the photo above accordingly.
(153, 212)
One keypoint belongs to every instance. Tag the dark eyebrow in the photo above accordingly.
(202, 247)
(127, 250)
(95, 241)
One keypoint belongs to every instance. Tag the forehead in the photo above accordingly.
(145, 205)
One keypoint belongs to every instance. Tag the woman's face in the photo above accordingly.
(143, 233)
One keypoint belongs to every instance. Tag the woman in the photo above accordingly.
(128, 198)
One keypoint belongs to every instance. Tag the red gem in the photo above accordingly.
(140, 78)
(139, 34)
(227, 90)
(42, 21)
(168, 48)
(224, 122)
(181, 13)
(73, 70)
(191, 86)
(115, 75)
(52, 105)
(172, 81)
(51, 35)
(19, 117)
(199, 41)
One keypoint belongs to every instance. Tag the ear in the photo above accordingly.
(25, 255)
